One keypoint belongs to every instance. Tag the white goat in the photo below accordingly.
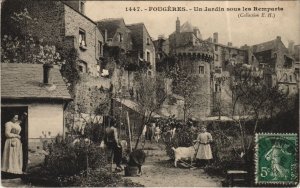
(182, 153)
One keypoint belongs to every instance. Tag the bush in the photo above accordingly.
(68, 159)
(183, 138)
(97, 178)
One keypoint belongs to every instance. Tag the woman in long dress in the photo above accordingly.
(203, 145)
(12, 158)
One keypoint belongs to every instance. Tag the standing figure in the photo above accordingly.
(157, 133)
(112, 143)
(12, 158)
(203, 145)
(153, 131)
(144, 136)
(275, 155)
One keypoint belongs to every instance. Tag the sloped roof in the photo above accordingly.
(136, 34)
(187, 27)
(111, 25)
(264, 46)
(25, 81)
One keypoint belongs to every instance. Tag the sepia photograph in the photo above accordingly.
(150, 93)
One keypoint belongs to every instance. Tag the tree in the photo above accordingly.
(148, 100)
(252, 101)
(23, 47)
(190, 87)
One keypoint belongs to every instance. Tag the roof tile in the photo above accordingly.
(25, 81)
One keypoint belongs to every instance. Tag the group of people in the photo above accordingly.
(12, 157)
(151, 131)
(201, 139)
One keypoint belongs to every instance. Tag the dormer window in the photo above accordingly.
(82, 38)
(120, 37)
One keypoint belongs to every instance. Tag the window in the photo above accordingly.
(216, 88)
(99, 48)
(82, 37)
(82, 67)
(148, 41)
(82, 7)
(120, 37)
(201, 69)
(216, 48)
(148, 56)
(291, 79)
(252, 58)
(216, 57)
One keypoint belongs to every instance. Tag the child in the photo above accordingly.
(203, 145)
(157, 133)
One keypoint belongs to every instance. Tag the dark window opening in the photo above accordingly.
(99, 48)
(148, 56)
(148, 41)
(201, 69)
(82, 37)
(288, 62)
(216, 48)
(82, 67)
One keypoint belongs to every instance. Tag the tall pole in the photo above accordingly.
(129, 130)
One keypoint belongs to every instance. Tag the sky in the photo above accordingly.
(239, 31)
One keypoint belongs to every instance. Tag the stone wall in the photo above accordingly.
(75, 21)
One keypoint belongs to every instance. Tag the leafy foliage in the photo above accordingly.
(67, 159)
(25, 48)
(97, 178)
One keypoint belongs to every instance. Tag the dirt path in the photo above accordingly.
(159, 171)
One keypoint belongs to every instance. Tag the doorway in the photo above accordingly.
(7, 113)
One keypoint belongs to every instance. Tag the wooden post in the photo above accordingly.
(129, 130)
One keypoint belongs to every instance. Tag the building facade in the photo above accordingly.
(195, 56)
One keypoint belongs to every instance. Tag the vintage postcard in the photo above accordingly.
(149, 93)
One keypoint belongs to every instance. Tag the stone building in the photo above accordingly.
(25, 88)
(129, 47)
(225, 56)
(275, 56)
(294, 51)
(143, 46)
(128, 51)
(196, 57)
(76, 37)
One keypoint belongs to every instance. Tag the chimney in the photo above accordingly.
(215, 37)
(177, 25)
(105, 35)
(229, 44)
(278, 38)
(47, 76)
(291, 47)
